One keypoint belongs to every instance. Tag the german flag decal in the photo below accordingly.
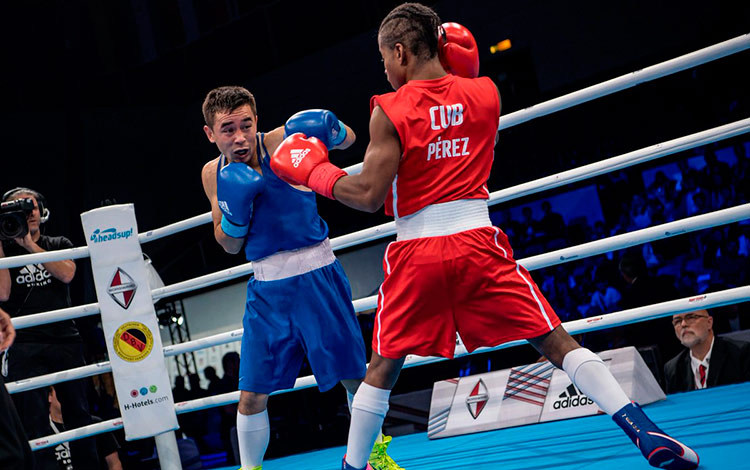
(133, 341)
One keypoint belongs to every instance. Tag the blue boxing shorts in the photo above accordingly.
(309, 314)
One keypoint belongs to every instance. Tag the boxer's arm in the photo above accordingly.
(7, 331)
(274, 138)
(208, 177)
(367, 190)
(350, 138)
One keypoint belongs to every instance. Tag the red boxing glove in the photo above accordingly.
(458, 51)
(302, 160)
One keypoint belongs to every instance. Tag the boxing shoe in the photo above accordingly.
(346, 466)
(657, 447)
(379, 459)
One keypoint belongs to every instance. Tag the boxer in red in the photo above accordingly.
(429, 157)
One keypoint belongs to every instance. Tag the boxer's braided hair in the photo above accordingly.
(224, 99)
(413, 25)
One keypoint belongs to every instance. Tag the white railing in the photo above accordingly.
(699, 57)
(629, 316)
(670, 229)
(650, 312)
(686, 61)
(553, 258)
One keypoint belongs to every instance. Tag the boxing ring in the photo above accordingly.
(716, 422)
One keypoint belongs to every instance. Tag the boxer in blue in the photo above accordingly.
(299, 302)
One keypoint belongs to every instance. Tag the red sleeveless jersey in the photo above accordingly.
(447, 129)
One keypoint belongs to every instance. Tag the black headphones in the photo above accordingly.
(40, 200)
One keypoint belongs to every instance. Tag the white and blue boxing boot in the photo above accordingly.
(660, 450)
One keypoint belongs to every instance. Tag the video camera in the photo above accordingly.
(13, 216)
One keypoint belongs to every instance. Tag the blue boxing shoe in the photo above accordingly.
(660, 450)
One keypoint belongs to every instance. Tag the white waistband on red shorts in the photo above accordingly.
(291, 263)
(447, 218)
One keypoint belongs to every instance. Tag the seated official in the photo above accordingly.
(709, 360)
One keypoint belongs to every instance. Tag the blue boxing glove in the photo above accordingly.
(236, 187)
(319, 123)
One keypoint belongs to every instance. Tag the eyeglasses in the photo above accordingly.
(688, 319)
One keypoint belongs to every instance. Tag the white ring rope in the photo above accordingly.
(83, 251)
(699, 57)
(670, 229)
(678, 64)
(715, 299)
(576, 174)
(585, 325)
(585, 250)
(373, 233)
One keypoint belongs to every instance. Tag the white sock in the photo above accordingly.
(589, 373)
(349, 399)
(253, 434)
(369, 407)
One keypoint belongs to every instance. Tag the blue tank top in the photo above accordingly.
(284, 218)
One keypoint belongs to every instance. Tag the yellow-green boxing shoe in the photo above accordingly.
(379, 458)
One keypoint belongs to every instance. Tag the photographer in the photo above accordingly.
(49, 348)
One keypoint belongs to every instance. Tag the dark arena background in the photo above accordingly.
(102, 102)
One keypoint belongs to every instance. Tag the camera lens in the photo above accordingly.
(10, 227)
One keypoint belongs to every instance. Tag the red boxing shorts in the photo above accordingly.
(466, 282)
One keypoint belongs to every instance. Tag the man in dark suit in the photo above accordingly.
(708, 360)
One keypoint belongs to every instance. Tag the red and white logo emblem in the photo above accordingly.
(122, 288)
(477, 399)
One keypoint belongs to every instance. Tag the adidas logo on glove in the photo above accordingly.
(224, 207)
(297, 156)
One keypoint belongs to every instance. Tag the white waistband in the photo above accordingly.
(293, 262)
(444, 219)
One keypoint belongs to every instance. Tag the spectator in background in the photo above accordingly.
(639, 214)
(661, 187)
(708, 360)
(687, 283)
(739, 151)
(49, 348)
(106, 443)
(732, 267)
(644, 289)
(214, 416)
(656, 211)
(196, 391)
(700, 203)
(552, 227)
(179, 392)
(528, 226)
(230, 381)
(194, 424)
(605, 298)
(104, 397)
(599, 232)
(214, 383)
(729, 318)
(716, 173)
(230, 362)
(690, 189)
